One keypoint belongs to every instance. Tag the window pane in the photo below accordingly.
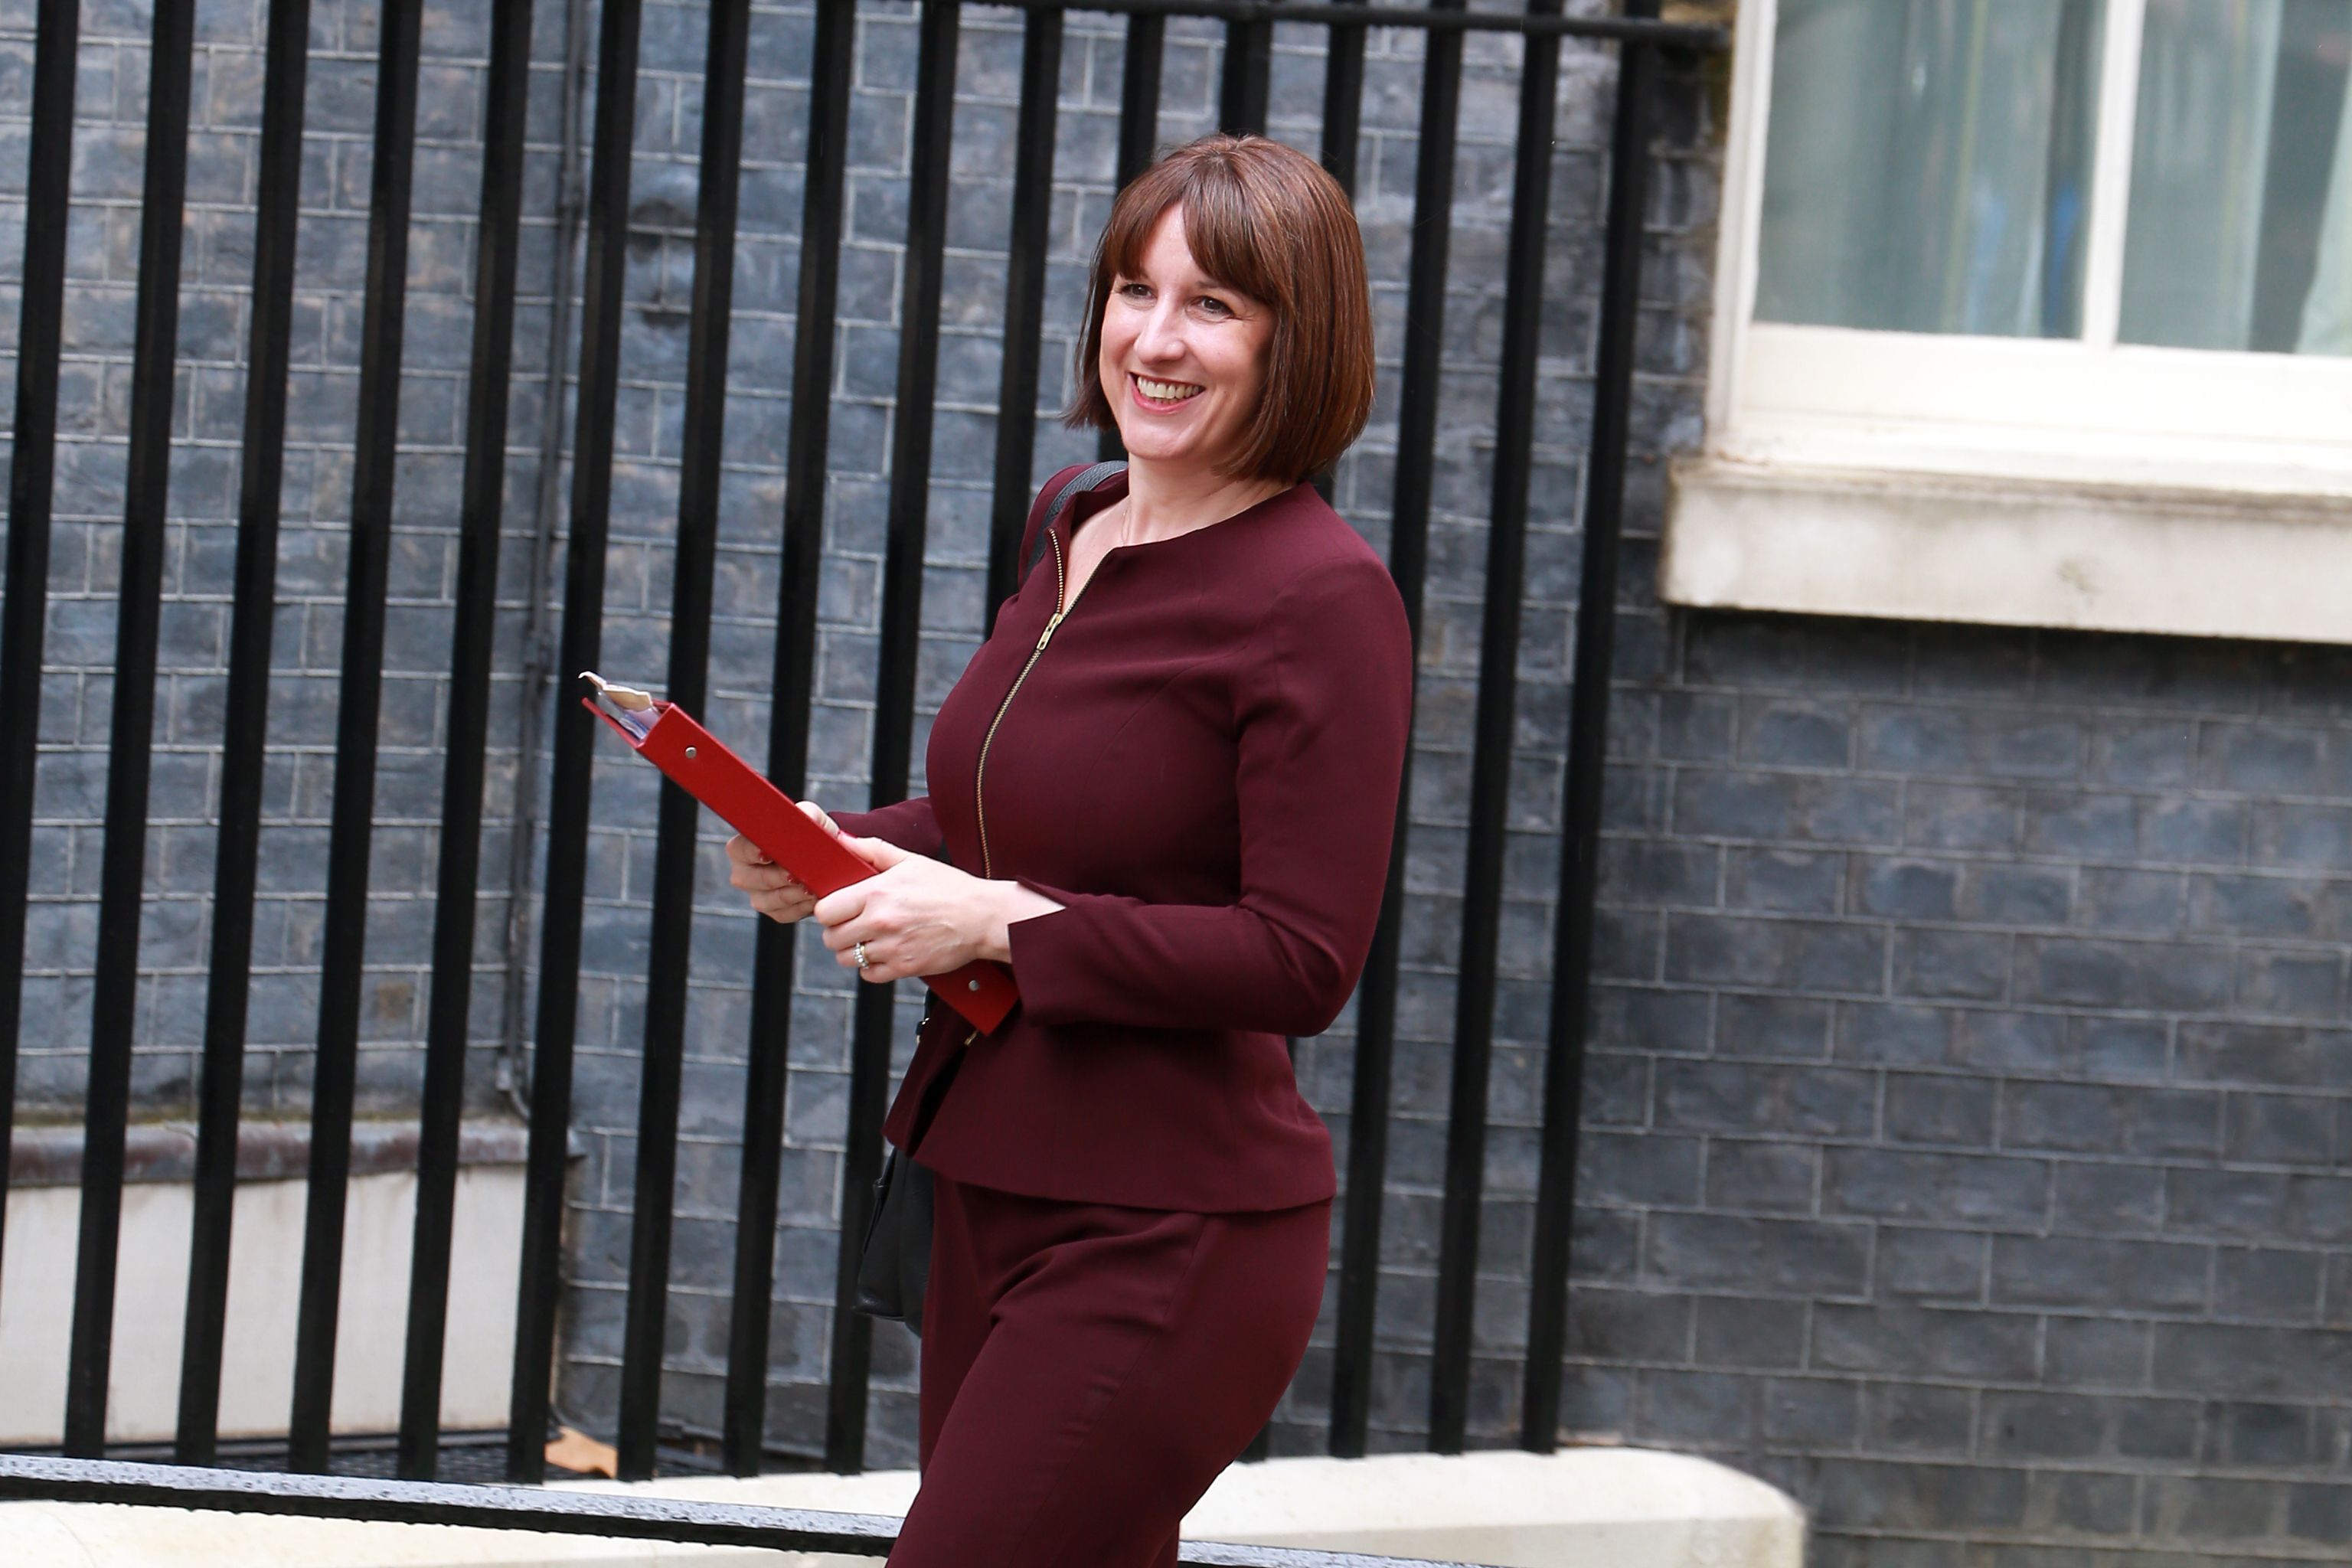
(2240, 231)
(1928, 165)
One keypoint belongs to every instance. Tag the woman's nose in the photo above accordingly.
(1160, 336)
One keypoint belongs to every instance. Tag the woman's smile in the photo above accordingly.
(1158, 395)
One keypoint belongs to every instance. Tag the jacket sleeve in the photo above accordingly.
(910, 824)
(1326, 709)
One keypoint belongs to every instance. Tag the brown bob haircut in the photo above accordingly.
(1268, 221)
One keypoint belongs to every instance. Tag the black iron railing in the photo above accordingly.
(1250, 31)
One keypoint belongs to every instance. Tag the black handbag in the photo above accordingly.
(894, 1261)
(894, 1266)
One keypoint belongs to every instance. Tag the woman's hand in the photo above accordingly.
(771, 889)
(920, 916)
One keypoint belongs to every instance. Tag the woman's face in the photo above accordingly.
(1183, 356)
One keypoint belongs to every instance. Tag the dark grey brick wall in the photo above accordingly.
(1966, 1117)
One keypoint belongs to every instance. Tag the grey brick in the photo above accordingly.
(1736, 1096)
(1781, 1256)
(1795, 734)
(1954, 964)
(2021, 1425)
(1924, 1341)
(2210, 1509)
(2149, 903)
(2095, 1353)
(1908, 890)
(2266, 1285)
(2303, 837)
(2083, 1272)
(2089, 1199)
(1939, 1109)
(1785, 806)
(1960, 817)
(2227, 1361)
(1824, 1413)
(1942, 1265)
(2320, 1513)
(1772, 1177)
(1811, 956)
(1919, 1418)
(1702, 1408)
(2279, 1129)
(1767, 1025)
(1743, 1332)
(2259, 1205)
(1628, 1325)
(2264, 1056)
(1953, 1188)
(1790, 881)
(2121, 974)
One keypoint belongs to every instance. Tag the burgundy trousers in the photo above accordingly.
(1088, 1370)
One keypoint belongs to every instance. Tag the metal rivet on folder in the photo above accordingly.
(689, 752)
(972, 984)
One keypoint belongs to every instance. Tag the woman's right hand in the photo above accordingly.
(769, 887)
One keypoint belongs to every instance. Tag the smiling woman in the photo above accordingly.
(1170, 811)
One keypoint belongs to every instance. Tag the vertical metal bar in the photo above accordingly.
(788, 732)
(1139, 133)
(1588, 736)
(32, 473)
(1024, 297)
(343, 946)
(1490, 773)
(1343, 103)
(122, 873)
(894, 706)
(689, 661)
(496, 245)
(1248, 67)
(1367, 1117)
(1139, 94)
(541, 1277)
(243, 731)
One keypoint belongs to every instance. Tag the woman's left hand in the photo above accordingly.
(917, 916)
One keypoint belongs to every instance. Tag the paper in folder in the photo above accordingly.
(668, 736)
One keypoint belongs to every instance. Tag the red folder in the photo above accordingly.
(982, 992)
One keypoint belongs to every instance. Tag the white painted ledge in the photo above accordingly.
(2008, 551)
(1593, 1508)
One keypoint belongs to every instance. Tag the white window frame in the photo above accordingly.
(2067, 453)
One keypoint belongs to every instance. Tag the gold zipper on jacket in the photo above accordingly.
(980, 774)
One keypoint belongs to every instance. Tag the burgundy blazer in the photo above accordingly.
(1201, 765)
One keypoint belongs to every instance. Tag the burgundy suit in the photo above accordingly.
(1200, 761)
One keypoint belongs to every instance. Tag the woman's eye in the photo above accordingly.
(1135, 290)
(1215, 306)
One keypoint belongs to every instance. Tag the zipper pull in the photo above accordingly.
(1047, 634)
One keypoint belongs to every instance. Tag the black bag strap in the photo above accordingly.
(1085, 478)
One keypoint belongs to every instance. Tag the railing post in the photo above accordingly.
(894, 701)
(245, 729)
(788, 731)
(496, 245)
(123, 874)
(541, 1277)
(32, 474)
(1588, 740)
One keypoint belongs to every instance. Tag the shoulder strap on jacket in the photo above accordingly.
(1085, 478)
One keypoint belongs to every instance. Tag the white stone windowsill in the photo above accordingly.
(1593, 1508)
(2008, 551)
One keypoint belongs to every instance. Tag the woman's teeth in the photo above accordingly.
(1164, 391)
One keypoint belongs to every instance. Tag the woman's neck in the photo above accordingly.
(1163, 501)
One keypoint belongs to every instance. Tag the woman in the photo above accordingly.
(1164, 789)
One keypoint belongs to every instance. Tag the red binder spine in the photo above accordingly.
(705, 768)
